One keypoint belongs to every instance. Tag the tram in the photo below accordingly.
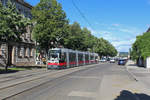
(60, 58)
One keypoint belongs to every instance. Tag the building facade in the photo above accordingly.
(22, 6)
(20, 53)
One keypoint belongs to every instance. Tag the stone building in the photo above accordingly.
(20, 53)
(22, 6)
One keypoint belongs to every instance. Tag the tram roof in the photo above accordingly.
(70, 50)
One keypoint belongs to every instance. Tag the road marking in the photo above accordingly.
(86, 77)
(82, 94)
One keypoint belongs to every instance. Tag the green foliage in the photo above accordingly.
(104, 48)
(52, 29)
(141, 47)
(75, 38)
(12, 24)
(51, 25)
(89, 40)
(82, 39)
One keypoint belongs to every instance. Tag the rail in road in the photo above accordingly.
(9, 90)
(20, 76)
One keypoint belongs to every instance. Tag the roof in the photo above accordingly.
(22, 2)
(148, 30)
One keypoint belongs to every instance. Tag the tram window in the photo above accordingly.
(63, 57)
(86, 57)
(72, 57)
(92, 57)
(53, 54)
(80, 57)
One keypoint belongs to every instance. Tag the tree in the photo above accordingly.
(104, 48)
(12, 24)
(141, 47)
(51, 25)
(89, 40)
(75, 38)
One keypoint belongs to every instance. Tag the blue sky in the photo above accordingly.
(118, 21)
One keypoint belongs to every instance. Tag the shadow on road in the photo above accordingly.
(132, 65)
(127, 95)
(9, 71)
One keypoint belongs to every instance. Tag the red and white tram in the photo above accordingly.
(59, 58)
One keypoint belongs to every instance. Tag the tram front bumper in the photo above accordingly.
(52, 67)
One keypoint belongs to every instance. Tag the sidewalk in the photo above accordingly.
(131, 65)
(141, 74)
(123, 86)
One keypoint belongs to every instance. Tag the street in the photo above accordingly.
(103, 81)
(71, 50)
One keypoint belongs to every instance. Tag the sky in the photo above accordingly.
(118, 21)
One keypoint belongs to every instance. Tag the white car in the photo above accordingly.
(102, 60)
(112, 61)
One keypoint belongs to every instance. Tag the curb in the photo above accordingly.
(132, 75)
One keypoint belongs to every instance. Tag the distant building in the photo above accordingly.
(20, 53)
(148, 30)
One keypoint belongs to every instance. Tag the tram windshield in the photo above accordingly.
(53, 55)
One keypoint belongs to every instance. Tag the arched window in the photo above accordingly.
(19, 51)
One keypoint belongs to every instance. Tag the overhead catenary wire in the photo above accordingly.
(82, 14)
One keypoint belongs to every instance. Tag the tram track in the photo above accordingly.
(50, 82)
(27, 80)
(48, 77)
(10, 78)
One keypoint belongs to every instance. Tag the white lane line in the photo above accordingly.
(86, 77)
(82, 94)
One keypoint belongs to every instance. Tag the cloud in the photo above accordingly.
(121, 36)
(116, 25)
(123, 45)
(125, 29)
(123, 48)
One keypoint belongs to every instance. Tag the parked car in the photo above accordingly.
(121, 62)
(112, 61)
(102, 60)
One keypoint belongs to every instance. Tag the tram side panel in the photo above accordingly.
(67, 54)
(96, 58)
(89, 58)
(72, 58)
(77, 60)
(80, 58)
(83, 58)
(92, 58)
(63, 60)
(86, 59)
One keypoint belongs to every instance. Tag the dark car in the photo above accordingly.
(121, 62)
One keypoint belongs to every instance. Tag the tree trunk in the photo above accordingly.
(6, 67)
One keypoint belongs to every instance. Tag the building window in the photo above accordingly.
(29, 52)
(19, 52)
(25, 52)
(32, 52)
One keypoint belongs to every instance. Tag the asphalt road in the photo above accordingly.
(84, 84)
